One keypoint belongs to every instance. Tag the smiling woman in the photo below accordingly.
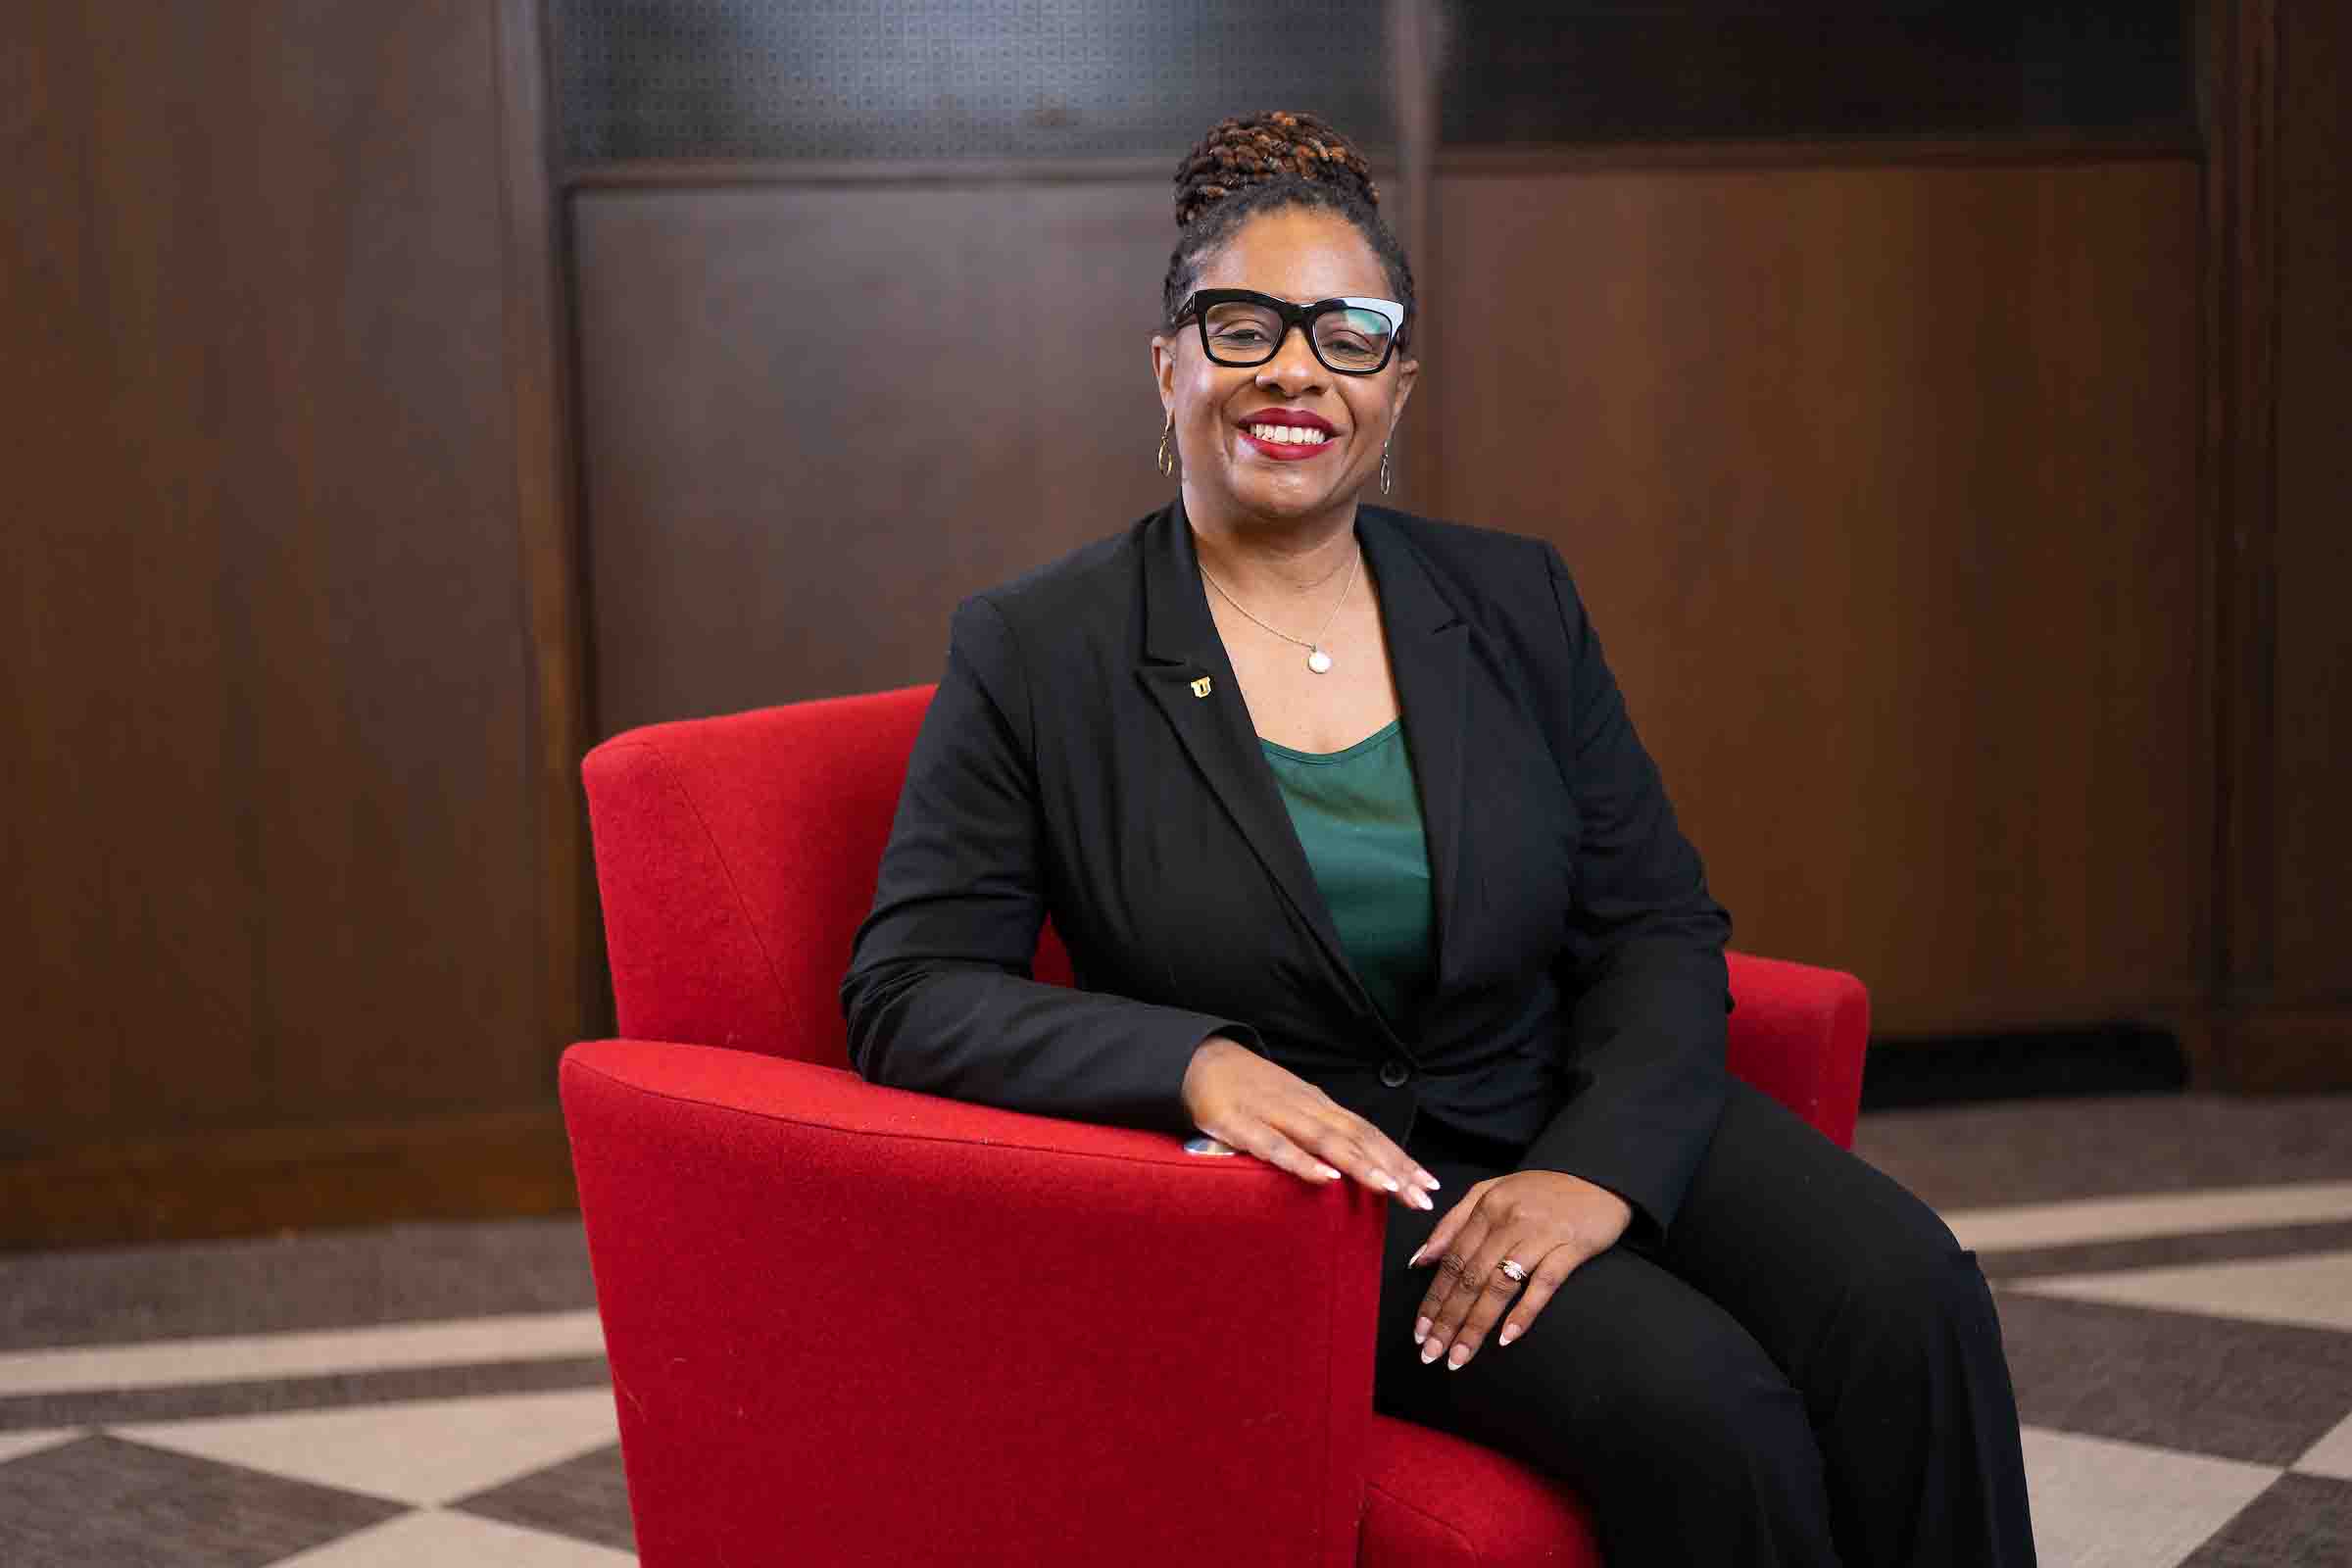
(1413, 910)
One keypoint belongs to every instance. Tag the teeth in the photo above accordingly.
(1294, 434)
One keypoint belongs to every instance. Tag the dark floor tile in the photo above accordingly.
(2259, 1392)
(2300, 1522)
(586, 1498)
(328, 1278)
(2165, 1252)
(102, 1501)
(23, 1412)
(2043, 1150)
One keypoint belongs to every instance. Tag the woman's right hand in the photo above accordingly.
(1240, 1098)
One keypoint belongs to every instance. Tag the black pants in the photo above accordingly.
(1808, 1370)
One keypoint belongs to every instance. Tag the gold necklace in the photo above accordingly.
(1316, 659)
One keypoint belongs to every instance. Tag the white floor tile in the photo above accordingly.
(516, 1337)
(2098, 1503)
(2111, 1219)
(418, 1539)
(17, 1445)
(2313, 1290)
(2332, 1455)
(422, 1452)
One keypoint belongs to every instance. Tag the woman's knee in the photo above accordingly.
(1918, 1302)
(1710, 1457)
(1715, 1408)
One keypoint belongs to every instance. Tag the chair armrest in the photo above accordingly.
(886, 1327)
(1798, 1033)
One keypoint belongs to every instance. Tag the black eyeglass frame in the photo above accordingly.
(1300, 316)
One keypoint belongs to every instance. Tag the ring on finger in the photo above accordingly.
(1512, 1271)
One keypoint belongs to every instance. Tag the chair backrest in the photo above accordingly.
(736, 856)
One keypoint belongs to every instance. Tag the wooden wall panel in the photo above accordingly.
(271, 830)
(1880, 477)
(2278, 240)
(2311, 676)
(1880, 471)
(1881, 484)
(816, 415)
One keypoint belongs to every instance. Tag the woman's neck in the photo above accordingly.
(1273, 556)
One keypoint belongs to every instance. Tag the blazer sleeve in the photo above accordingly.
(1643, 968)
(939, 995)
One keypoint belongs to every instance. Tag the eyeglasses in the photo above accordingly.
(1239, 326)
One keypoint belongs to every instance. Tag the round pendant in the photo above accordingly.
(1318, 660)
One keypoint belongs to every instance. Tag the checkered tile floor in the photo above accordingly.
(249, 1490)
(2182, 1356)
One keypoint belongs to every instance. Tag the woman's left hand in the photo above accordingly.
(1546, 1221)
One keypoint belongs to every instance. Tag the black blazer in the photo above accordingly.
(1067, 768)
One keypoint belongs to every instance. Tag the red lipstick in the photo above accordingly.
(1289, 450)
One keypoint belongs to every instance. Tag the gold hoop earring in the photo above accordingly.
(1167, 459)
(1387, 478)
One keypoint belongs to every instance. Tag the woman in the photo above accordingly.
(1365, 871)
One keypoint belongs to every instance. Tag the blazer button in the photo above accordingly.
(1394, 1073)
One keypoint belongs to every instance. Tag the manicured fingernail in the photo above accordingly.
(1510, 1332)
(1429, 1351)
(1453, 1363)
(1420, 1330)
(1327, 1173)
(1420, 1199)
(1387, 1180)
(1414, 1262)
(1427, 1180)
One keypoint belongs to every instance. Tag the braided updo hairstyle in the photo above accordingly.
(1270, 162)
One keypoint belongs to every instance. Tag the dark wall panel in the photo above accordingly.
(1539, 71)
(952, 78)
(817, 415)
(1057, 79)
(270, 837)
(2312, 672)
(1880, 482)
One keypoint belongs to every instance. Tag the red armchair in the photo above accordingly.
(850, 1324)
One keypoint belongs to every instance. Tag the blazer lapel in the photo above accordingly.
(1181, 647)
(1428, 650)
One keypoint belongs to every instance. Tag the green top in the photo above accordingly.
(1358, 818)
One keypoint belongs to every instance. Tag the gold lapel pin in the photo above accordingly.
(1201, 687)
